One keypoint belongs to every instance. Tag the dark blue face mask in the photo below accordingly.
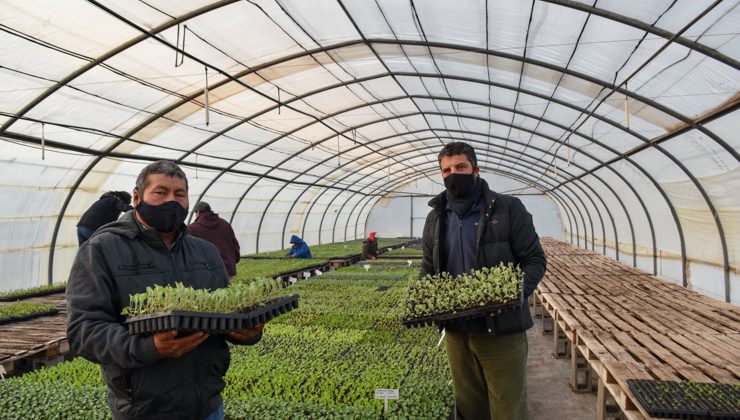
(166, 217)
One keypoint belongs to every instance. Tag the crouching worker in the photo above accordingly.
(159, 376)
(299, 248)
(370, 247)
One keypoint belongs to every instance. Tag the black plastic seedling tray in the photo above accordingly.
(687, 400)
(212, 323)
(447, 318)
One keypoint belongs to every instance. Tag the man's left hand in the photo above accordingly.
(246, 334)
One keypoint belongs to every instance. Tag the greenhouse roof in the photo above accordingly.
(623, 113)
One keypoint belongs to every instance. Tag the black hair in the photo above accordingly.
(458, 148)
(166, 167)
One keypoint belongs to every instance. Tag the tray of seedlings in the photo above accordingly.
(237, 307)
(442, 299)
(687, 400)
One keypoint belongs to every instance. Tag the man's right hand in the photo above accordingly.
(169, 345)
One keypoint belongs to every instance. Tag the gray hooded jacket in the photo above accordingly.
(121, 259)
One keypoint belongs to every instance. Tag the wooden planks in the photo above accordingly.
(29, 343)
(629, 324)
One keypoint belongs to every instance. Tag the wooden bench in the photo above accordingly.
(617, 323)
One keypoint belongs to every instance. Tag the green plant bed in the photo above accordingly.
(359, 268)
(398, 253)
(687, 399)
(334, 250)
(362, 275)
(32, 292)
(19, 311)
(445, 298)
(249, 269)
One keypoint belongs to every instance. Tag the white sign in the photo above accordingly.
(319, 272)
(410, 262)
(306, 274)
(386, 394)
(292, 280)
(366, 266)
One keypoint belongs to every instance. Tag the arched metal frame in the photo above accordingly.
(369, 42)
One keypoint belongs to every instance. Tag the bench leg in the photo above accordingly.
(547, 323)
(560, 342)
(580, 372)
(606, 406)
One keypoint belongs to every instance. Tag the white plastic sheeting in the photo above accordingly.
(622, 113)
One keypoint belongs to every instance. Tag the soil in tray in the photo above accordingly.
(213, 323)
(689, 400)
(446, 318)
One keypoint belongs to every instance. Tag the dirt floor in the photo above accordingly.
(550, 396)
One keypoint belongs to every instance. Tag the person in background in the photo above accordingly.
(370, 247)
(105, 210)
(163, 375)
(471, 227)
(217, 231)
(299, 248)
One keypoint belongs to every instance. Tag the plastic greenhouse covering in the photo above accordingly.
(615, 121)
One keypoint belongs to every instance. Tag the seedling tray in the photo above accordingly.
(687, 400)
(448, 318)
(212, 323)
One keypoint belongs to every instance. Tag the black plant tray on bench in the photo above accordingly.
(212, 323)
(477, 312)
(687, 400)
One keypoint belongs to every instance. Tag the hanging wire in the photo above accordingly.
(339, 161)
(205, 95)
(626, 109)
(179, 47)
(43, 142)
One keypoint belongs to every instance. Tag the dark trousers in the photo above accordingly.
(489, 374)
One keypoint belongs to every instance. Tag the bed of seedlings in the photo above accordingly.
(17, 311)
(322, 360)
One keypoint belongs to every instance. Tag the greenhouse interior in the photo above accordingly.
(331, 141)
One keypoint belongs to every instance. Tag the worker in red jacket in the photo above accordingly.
(217, 231)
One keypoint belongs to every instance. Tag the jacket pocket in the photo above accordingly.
(203, 274)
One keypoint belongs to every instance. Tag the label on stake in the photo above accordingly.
(386, 394)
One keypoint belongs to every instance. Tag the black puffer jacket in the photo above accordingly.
(505, 234)
(122, 259)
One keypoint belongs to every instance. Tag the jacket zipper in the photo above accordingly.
(462, 252)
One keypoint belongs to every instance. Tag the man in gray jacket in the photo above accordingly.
(471, 227)
(160, 376)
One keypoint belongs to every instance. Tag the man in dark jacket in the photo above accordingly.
(159, 376)
(299, 248)
(471, 227)
(217, 231)
(105, 210)
(370, 247)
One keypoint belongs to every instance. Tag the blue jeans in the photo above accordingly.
(217, 414)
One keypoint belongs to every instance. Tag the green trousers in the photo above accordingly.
(489, 374)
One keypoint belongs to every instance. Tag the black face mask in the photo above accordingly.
(165, 217)
(460, 185)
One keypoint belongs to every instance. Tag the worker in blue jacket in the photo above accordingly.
(299, 249)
